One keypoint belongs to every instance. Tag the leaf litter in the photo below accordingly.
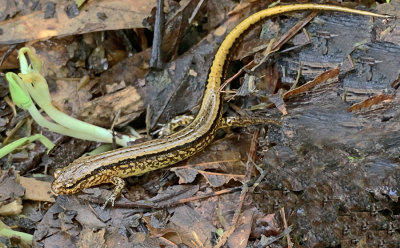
(192, 202)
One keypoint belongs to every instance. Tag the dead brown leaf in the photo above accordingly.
(219, 179)
(9, 188)
(216, 12)
(140, 239)
(70, 221)
(193, 228)
(9, 56)
(94, 16)
(11, 209)
(390, 8)
(91, 238)
(186, 175)
(223, 157)
(155, 229)
(117, 240)
(177, 23)
(240, 236)
(36, 190)
(68, 97)
(224, 161)
(265, 225)
(102, 110)
(54, 55)
(131, 70)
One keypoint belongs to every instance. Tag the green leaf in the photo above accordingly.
(220, 232)
(18, 95)
(8, 232)
(20, 142)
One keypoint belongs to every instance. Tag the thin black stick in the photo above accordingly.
(156, 56)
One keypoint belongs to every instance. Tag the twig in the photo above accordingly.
(289, 242)
(235, 219)
(237, 74)
(153, 205)
(156, 56)
(7, 53)
(294, 30)
(259, 179)
(277, 45)
(252, 155)
(271, 240)
(245, 188)
(253, 146)
(114, 144)
(195, 11)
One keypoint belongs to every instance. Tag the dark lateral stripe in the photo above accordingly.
(152, 156)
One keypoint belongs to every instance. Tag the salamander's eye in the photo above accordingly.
(68, 183)
(57, 173)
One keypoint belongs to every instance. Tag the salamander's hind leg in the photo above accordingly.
(172, 125)
(246, 121)
(119, 185)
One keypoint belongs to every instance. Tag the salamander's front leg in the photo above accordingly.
(119, 185)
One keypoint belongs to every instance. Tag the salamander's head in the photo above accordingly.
(63, 184)
(74, 178)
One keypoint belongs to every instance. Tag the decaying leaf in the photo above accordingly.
(309, 152)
